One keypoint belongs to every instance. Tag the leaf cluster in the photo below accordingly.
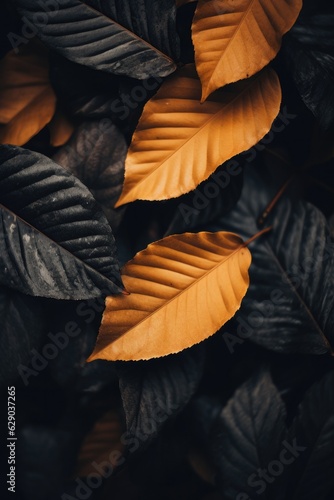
(166, 247)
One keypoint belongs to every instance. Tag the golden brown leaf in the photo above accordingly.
(201, 465)
(61, 129)
(183, 288)
(236, 39)
(30, 120)
(179, 142)
(27, 101)
(101, 444)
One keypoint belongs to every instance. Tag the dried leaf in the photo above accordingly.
(102, 447)
(235, 40)
(201, 465)
(182, 289)
(27, 101)
(179, 142)
(61, 129)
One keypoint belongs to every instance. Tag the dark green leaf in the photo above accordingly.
(55, 242)
(249, 435)
(86, 36)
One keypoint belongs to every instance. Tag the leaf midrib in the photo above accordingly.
(238, 28)
(180, 292)
(92, 269)
(250, 84)
(299, 297)
(149, 45)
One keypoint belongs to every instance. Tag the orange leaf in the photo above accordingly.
(183, 288)
(179, 142)
(27, 101)
(102, 445)
(201, 465)
(234, 40)
(30, 120)
(61, 129)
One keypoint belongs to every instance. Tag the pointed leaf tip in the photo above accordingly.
(174, 147)
(235, 40)
(183, 289)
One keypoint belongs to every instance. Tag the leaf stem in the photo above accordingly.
(273, 202)
(279, 157)
(257, 235)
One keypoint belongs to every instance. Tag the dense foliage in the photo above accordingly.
(166, 247)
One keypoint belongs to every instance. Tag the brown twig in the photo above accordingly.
(257, 235)
(273, 202)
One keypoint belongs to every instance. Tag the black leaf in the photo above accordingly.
(151, 20)
(86, 36)
(249, 436)
(96, 154)
(83, 92)
(23, 324)
(209, 201)
(55, 242)
(309, 51)
(288, 306)
(155, 390)
(72, 330)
